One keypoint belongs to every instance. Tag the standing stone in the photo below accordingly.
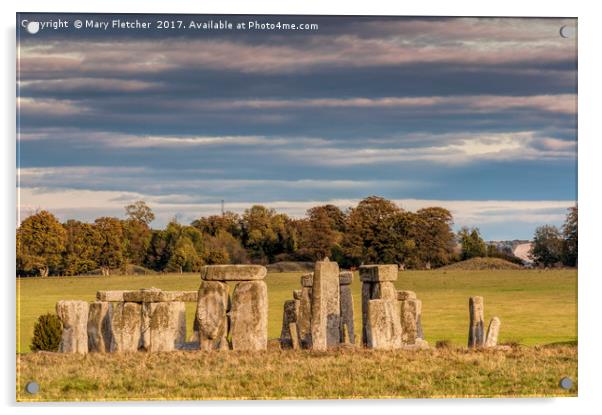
(145, 319)
(405, 295)
(384, 325)
(304, 319)
(325, 306)
(167, 326)
(126, 327)
(212, 307)
(74, 316)
(297, 294)
(307, 280)
(476, 336)
(346, 298)
(409, 327)
(493, 332)
(290, 315)
(292, 328)
(250, 316)
(99, 326)
(377, 283)
(419, 331)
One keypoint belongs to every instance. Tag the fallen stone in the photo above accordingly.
(345, 277)
(493, 332)
(304, 318)
(110, 295)
(167, 326)
(297, 294)
(249, 316)
(211, 315)
(126, 327)
(405, 295)
(307, 280)
(347, 311)
(233, 272)
(476, 337)
(74, 316)
(325, 306)
(378, 273)
(99, 326)
(384, 326)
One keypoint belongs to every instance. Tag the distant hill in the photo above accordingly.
(476, 264)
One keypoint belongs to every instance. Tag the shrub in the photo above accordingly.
(47, 333)
(443, 344)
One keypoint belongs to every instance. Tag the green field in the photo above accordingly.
(535, 307)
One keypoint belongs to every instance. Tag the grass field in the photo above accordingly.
(535, 307)
(275, 374)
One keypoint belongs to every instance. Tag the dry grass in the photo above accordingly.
(276, 374)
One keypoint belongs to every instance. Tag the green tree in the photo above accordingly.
(212, 225)
(137, 237)
(111, 253)
(140, 211)
(184, 258)
(547, 246)
(40, 244)
(47, 333)
(266, 234)
(82, 248)
(321, 233)
(224, 248)
(569, 233)
(472, 243)
(435, 237)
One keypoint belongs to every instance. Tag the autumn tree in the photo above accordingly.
(321, 233)
(111, 249)
(472, 243)
(212, 225)
(547, 246)
(140, 211)
(436, 237)
(266, 234)
(40, 244)
(82, 247)
(569, 233)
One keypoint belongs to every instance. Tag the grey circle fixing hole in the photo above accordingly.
(566, 383)
(567, 32)
(32, 387)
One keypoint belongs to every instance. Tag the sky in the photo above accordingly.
(478, 115)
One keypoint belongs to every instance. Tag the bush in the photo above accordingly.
(47, 333)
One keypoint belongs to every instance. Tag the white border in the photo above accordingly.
(590, 341)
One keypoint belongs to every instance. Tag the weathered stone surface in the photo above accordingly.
(99, 326)
(304, 319)
(325, 306)
(74, 316)
(405, 295)
(211, 315)
(419, 332)
(376, 273)
(146, 311)
(249, 316)
(126, 327)
(290, 315)
(297, 294)
(292, 328)
(493, 332)
(233, 272)
(307, 280)
(345, 277)
(409, 308)
(167, 326)
(110, 295)
(384, 290)
(346, 299)
(384, 326)
(476, 336)
(155, 295)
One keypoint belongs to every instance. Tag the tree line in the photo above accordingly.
(374, 231)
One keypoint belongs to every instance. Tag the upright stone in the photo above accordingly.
(405, 295)
(409, 327)
(289, 316)
(249, 316)
(145, 319)
(99, 326)
(74, 316)
(325, 306)
(346, 298)
(167, 326)
(419, 332)
(304, 319)
(476, 336)
(493, 332)
(212, 307)
(384, 326)
(126, 327)
(297, 294)
(294, 336)
(377, 283)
